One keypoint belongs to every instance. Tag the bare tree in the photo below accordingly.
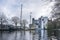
(24, 22)
(56, 10)
(15, 19)
(3, 19)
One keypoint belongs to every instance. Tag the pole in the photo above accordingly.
(30, 17)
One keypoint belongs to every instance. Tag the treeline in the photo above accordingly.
(15, 20)
(53, 25)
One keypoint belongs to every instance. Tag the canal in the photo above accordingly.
(18, 35)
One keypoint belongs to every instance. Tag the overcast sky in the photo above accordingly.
(37, 7)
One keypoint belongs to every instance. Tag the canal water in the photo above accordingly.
(18, 35)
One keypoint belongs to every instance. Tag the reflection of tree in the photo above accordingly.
(21, 35)
(16, 35)
(33, 36)
(1, 35)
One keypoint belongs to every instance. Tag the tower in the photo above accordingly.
(21, 16)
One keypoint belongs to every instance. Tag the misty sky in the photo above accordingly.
(37, 7)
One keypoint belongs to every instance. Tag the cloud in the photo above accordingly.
(13, 8)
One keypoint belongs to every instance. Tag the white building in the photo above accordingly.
(40, 26)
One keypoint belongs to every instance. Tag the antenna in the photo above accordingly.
(30, 17)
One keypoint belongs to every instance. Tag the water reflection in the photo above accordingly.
(17, 35)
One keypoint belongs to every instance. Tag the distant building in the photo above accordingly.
(38, 22)
(35, 22)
